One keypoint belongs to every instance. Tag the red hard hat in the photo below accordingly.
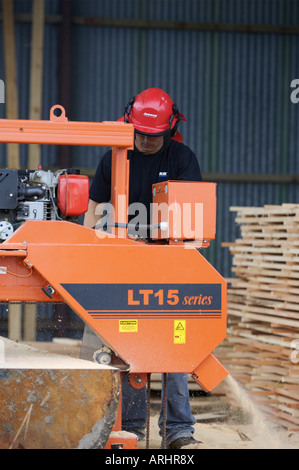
(153, 112)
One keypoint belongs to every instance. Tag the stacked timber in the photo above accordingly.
(263, 309)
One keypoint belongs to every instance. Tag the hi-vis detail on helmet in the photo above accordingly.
(150, 115)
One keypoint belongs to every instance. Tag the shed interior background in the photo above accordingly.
(229, 65)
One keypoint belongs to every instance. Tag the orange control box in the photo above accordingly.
(186, 209)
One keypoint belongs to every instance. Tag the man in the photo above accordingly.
(159, 155)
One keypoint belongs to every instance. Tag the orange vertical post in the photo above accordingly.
(120, 190)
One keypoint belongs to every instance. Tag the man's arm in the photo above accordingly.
(93, 214)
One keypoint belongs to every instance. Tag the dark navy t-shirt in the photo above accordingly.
(174, 161)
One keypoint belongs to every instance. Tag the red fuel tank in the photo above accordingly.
(73, 194)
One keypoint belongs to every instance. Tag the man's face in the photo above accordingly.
(148, 144)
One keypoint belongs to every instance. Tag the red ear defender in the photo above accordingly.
(128, 109)
(153, 112)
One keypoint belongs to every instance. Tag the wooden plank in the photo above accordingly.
(30, 322)
(35, 113)
(266, 318)
(36, 76)
(11, 101)
(15, 322)
(13, 150)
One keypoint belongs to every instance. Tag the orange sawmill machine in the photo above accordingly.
(157, 306)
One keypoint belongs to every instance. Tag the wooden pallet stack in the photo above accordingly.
(262, 348)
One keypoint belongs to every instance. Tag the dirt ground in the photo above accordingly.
(228, 435)
(231, 433)
(228, 419)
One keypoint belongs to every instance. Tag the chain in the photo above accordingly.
(148, 410)
(164, 410)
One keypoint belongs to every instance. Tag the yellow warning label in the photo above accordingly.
(179, 332)
(128, 326)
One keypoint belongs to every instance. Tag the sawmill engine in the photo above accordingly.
(40, 195)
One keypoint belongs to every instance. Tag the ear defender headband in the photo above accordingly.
(128, 109)
(176, 113)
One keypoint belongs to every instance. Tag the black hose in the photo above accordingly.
(31, 192)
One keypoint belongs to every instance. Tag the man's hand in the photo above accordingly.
(93, 214)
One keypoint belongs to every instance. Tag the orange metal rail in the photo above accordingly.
(60, 131)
